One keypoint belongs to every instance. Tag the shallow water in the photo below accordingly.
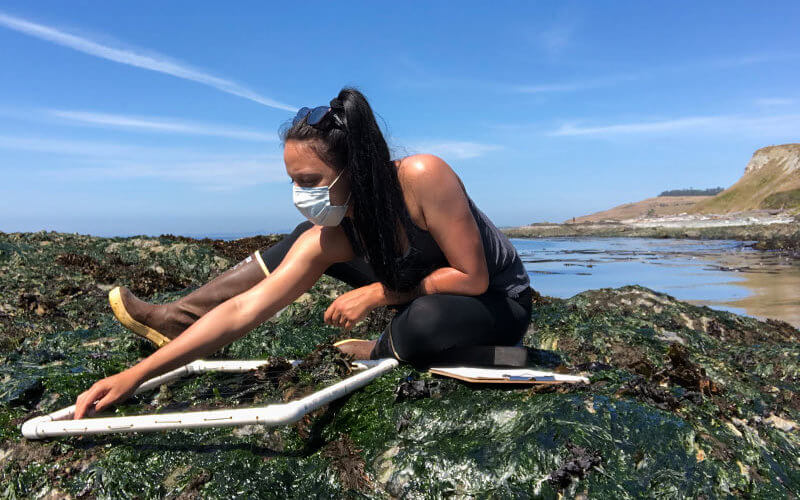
(723, 274)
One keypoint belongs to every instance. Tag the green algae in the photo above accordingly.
(684, 401)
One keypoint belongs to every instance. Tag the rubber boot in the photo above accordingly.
(161, 322)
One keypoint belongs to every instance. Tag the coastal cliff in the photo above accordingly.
(763, 205)
(683, 401)
(771, 180)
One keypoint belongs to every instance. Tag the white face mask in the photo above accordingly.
(315, 204)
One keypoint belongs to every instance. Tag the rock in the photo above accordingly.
(781, 423)
(684, 401)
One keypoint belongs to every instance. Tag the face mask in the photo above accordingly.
(315, 204)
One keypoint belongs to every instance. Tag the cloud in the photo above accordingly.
(452, 150)
(67, 146)
(415, 75)
(750, 125)
(557, 38)
(152, 62)
(614, 79)
(747, 59)
(228, 175)
(633, 128)
(160, 125)
(408, 72)
(551, 33)
(775, 101)
(590, 83)
(103, 161)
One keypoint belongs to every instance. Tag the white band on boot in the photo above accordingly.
(257, 253)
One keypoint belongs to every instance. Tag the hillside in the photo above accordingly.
(656, 206)
(771, 180)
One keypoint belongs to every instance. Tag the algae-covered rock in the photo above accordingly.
(684, 401)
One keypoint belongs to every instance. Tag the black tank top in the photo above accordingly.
(506, 271)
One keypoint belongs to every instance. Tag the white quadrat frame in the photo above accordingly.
(60, 422)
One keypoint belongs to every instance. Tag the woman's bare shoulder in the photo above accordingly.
(424, 168)
(428, 182)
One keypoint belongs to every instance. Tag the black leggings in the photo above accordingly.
(431, 324)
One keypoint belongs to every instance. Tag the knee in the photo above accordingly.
(425, 317)
(302, 227)
(420, 331)
(273, 255)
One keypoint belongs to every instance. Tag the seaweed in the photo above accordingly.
(580, 462)
(684, 401)
(234, 250)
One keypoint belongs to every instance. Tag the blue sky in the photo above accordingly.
(148, 117)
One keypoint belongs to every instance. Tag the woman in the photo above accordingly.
(403, 233)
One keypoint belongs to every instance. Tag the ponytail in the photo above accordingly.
(356, 144)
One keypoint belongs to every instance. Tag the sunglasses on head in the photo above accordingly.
(315, 115)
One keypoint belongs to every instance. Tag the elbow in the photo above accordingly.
(244, 315)
(480, 283)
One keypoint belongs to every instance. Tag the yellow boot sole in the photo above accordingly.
(347, 341)
(344, 345)
(131, 324)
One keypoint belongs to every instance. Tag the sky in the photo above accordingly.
(123, 118)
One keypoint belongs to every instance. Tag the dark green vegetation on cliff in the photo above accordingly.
(692, 192)
(684, 401)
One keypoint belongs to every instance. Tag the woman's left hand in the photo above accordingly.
(351, 307)
(106, 392)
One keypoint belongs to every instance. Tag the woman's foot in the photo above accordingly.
(357, 348)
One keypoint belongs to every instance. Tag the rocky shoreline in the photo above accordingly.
(779, 232)
(684, 401)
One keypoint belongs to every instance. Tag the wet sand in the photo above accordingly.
(773, 281)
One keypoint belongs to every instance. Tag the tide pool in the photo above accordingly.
(723, 274)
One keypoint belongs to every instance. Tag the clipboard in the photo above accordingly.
(506, 375)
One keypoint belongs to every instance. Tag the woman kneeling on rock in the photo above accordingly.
(402, 233)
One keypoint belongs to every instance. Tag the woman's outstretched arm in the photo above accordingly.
(309, 256)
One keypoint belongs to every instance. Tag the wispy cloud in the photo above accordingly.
(68, 146)
(775, 101)
(557, 38)
(551, 33)
(761, 125)
(157, 124)
(408, 72)
(416, 75)
(652, 72)
(634, 128)
(152, 62)
(451, 150)
(228, 175)
(87, 161)
(575, 85)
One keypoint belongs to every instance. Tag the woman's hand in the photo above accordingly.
(106, 392)
(353, 306)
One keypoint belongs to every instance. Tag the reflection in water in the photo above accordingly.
(722, 274)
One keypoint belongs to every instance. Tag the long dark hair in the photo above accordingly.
(379, 210)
